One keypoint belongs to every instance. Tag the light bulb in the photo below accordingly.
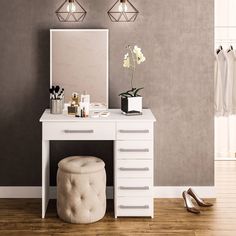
(71, 7)
(123, 7)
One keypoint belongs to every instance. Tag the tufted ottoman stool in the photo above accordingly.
(81, 189)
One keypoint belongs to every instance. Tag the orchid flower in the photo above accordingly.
(131, 59)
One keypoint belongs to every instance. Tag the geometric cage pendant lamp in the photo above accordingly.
(71, 11)
(123, 11)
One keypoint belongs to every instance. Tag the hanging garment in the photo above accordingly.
(234, 87)
(220, 82)
(227, 100)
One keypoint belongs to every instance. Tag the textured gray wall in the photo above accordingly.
(177, 40)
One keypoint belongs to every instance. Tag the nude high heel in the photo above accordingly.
(199, 201)
(188, 203)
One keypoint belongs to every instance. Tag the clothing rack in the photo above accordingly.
(225, 26)
(225, 41)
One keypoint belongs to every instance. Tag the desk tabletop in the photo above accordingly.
(115, 115)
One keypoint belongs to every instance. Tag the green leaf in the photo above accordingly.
(130, 93)
(126, 94)
(136, 92)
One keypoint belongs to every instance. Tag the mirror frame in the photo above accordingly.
(84, 30)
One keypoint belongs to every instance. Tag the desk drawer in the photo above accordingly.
(134, 131)
(134, 206)
(134, 150)
(134, 169)
(78, 131)
(134, 187)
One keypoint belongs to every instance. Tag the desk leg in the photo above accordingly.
(115, 178)
(45, 175)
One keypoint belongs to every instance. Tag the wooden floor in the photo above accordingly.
(22, 216)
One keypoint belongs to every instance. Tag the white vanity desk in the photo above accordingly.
(133, 155)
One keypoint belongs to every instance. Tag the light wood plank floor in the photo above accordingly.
(22, 216)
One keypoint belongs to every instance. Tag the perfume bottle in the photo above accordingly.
(75, 98)
(72, 109)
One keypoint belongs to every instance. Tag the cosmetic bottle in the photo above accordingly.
(75, 98)
(85, 97)
(72, 109)
(84, 104)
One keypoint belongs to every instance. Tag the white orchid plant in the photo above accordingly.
(133, 58)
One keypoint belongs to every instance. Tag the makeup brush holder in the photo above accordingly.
(56, 106)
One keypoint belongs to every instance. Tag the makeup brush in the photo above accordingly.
(51, 93)
(61, 94)
(57, 89)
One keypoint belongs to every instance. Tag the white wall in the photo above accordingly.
(225, 17)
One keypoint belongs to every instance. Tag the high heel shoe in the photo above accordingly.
(199, 201)
(188, 203)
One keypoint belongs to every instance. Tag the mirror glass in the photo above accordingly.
(79, 62)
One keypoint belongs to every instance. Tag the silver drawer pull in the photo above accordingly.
(134, 169)
(89, 131)
(134, 150)
(134, 207)
(134, 188)
(124, 131)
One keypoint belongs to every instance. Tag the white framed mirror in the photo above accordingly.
(79, 62)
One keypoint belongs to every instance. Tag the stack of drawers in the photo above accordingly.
(133, 166)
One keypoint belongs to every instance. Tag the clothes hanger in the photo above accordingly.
(219, 49)
(230, 49)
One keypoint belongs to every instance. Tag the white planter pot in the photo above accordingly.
(132, 105)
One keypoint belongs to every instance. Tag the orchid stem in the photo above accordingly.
(132, 66)
(132, 78)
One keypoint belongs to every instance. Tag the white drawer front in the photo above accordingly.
(134, 206)
(78, 131)
(134, 131)
(134, 187)
(134, 169)
(134, 149)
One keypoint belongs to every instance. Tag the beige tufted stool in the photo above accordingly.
(81, 189)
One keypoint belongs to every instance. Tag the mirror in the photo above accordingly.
(79, 62)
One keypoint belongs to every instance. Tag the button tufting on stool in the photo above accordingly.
(80, 180)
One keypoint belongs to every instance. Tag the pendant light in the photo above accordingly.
(71, 11)
(123, 11)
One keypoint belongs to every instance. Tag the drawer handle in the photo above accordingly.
(124, 131)
(134, 188)
(134, 150)
(89, 131)
(134, 207)
(134, 169)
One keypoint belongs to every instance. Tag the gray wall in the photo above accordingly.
(177, 40)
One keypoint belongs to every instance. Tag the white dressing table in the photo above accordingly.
(133, 155)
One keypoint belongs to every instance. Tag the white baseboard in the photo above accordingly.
(20, 192)
(159, 192)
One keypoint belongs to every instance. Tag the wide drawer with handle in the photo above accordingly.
(134, 149)
(134, 187)
(134, 206)
(134, 131)
(134, 169)
(78, 131)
